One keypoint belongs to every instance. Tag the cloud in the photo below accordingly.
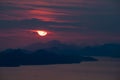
(53, 10)
(83, 24)
(11, 6)
(20, 23)
(4, 7)
(31, 23)
(81, 19)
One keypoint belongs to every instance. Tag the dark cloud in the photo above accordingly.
(4, 7)
(94, 7)
(11, 6)
(55, 7)
(31, 22)
(87, 23)
(27, 23)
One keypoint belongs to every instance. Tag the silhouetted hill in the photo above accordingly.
(49, 44)
(17, 57)
(55, 52)
(54, 46)
(12, 57)
(110, 50)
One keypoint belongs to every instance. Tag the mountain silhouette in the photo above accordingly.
(49, 44)
(54, 46)
(56, 52)
(109, 50)
(17, 57)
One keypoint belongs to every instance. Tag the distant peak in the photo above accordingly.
(54, 42)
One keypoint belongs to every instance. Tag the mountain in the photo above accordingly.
(49, 44)
(55, 52)
(17, 57)
(54, 46)
(108, 50)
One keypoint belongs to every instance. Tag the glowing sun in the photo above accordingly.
(42, 33)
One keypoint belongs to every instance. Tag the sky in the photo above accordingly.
(71, 21)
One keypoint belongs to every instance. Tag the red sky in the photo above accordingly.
(71, 21)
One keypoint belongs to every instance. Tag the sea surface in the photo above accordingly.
(104, 69)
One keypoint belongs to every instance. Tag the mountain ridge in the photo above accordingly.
(18, 57)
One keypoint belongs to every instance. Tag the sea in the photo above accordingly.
(106, 68)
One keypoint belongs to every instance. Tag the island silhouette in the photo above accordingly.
(55, 52)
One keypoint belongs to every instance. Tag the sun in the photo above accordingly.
(42, 33)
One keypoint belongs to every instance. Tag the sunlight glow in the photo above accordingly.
(41, 33)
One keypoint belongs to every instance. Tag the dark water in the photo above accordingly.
(104, 69)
